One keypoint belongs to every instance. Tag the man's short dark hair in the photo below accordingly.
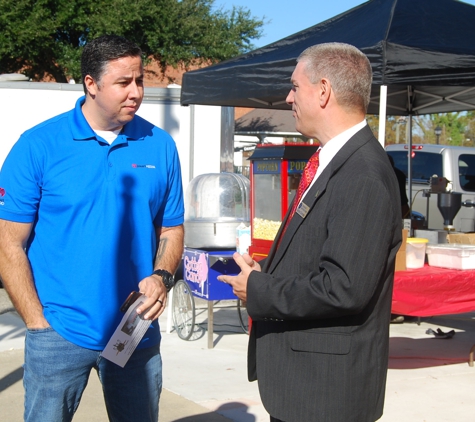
(101, 50)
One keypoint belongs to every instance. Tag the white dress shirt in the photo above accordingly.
(331, 148)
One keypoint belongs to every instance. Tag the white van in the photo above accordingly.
(456, 164)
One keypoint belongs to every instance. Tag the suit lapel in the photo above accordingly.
(313, 195)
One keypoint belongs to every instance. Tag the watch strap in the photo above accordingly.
(167, 278)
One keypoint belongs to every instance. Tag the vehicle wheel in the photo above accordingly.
(183, 310)
(243, 316)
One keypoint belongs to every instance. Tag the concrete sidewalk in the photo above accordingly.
(429, 379)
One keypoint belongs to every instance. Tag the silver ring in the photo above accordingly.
(161, 303)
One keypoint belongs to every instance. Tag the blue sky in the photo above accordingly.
(286, 17)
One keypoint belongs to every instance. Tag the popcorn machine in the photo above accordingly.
(275, 175)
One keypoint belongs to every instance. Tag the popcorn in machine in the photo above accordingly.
(275, 175)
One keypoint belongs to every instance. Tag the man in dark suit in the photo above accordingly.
(321, 304)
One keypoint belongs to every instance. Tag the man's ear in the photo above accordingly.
(91, 85)
(324, 92)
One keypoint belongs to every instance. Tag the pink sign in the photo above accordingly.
(196, 270)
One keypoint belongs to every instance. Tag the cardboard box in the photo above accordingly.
(461, 238)
(401, 253)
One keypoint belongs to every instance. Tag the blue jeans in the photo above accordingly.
(56, 372)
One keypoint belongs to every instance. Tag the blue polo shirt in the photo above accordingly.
(93, 207)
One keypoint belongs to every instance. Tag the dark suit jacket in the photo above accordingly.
(321, 306)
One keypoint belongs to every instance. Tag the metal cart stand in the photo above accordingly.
(200, 271)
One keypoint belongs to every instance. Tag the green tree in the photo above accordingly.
(470, 129)
(452, 125)
(42, 38)
(457, 128)
(395, 129)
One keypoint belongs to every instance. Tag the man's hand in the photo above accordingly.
(239, 282)
(16, 273)
(38, 325)
(169, 251)
(155, 291)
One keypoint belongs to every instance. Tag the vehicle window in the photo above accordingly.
(424, 164)
(467, 172)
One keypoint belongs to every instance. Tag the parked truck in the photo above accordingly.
(439, 168)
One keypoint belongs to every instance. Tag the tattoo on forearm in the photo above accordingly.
(161, 248)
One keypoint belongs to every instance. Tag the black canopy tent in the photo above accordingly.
(422, 50)
(422, 53)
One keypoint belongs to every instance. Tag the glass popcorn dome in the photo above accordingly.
(215, 204)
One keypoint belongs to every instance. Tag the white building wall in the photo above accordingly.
(207, 129)
(31, 103)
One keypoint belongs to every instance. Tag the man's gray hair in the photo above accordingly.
(347, 69)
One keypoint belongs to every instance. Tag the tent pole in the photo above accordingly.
(410, 101)
(383, 93)
(409, 159)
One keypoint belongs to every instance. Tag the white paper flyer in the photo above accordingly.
(127, 335)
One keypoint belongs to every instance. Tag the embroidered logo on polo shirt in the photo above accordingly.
(2, 194)
(148, 166)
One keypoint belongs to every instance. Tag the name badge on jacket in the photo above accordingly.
(302, 209)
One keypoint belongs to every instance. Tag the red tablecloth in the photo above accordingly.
(432, 291)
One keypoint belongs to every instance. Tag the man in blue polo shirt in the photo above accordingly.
(91, 208)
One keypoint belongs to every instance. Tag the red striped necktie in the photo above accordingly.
(308, 174)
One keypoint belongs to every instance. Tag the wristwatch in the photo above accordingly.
(167, 278)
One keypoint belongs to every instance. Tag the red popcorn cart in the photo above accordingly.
(275, 175)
